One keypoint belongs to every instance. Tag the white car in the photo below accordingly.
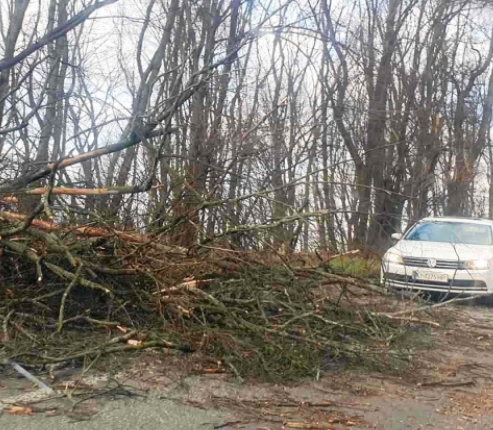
(448, 255)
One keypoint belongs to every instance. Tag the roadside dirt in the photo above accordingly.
(450, 387)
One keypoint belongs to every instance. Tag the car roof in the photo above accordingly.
(469, 220)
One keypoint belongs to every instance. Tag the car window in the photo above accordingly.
(452, 232)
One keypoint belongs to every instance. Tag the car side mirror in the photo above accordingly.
(396, 237)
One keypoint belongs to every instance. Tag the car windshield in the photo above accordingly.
(451, 232)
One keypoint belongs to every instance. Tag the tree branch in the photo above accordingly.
(56, 33)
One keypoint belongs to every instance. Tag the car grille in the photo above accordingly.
(441, 264)
(408, 281)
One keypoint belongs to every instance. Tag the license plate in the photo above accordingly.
(431, 276)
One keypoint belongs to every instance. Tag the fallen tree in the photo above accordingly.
(270, 319)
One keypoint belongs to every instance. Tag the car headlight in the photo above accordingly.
(477, 264)
(395, 258)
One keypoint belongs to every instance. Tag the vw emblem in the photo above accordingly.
(431, 262)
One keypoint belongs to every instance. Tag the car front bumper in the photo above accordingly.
(470, 282)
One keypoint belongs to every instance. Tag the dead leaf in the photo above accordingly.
(20, 410)
(134, 342)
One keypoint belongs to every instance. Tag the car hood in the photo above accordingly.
(443, 251)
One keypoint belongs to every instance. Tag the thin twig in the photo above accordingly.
(61, 314)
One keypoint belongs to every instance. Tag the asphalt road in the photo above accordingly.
(149, 414)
